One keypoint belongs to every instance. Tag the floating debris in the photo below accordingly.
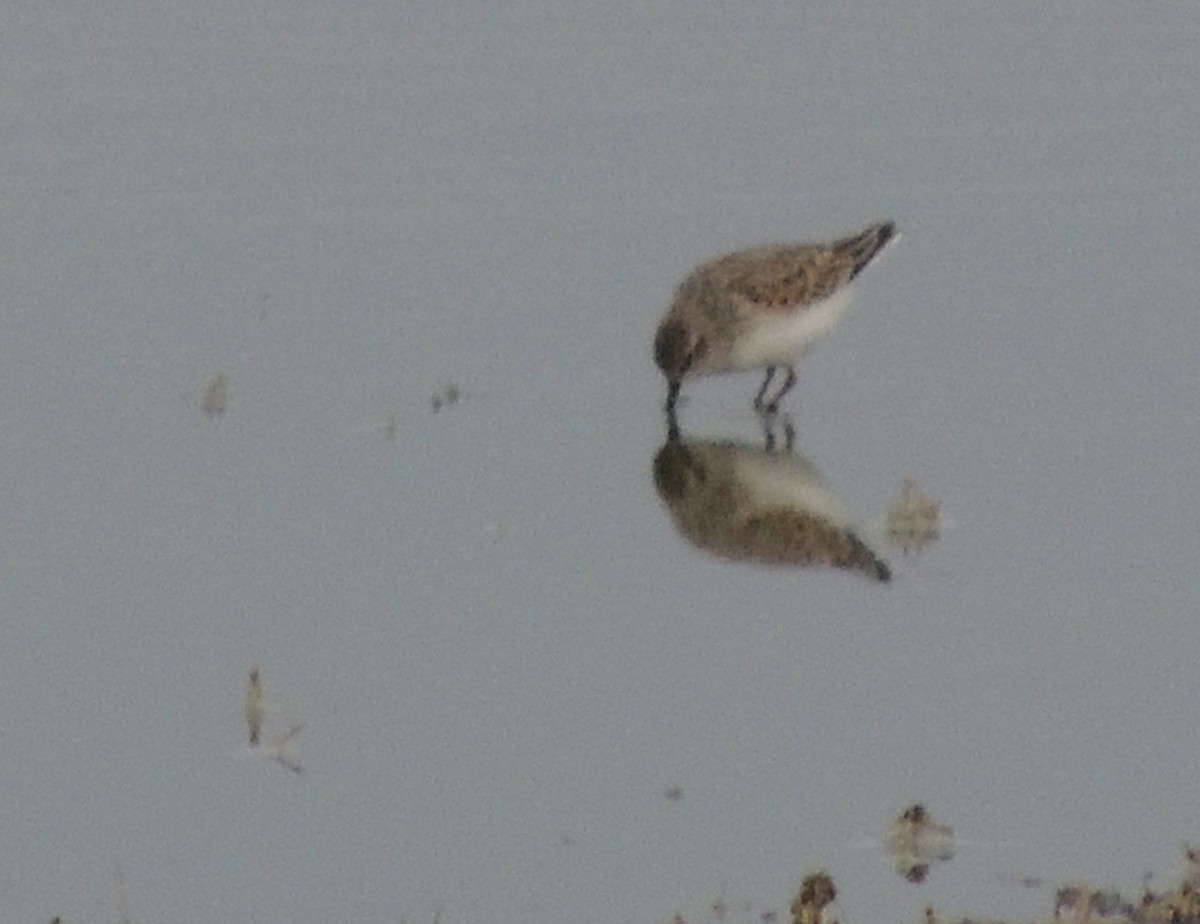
(1084, 902)
(914, 841)
(216, 397)
(255, 707)
(1076, 903)
(1191, 876)
(255, 711)
(816, 893)
(448, 396)
(280, 750)
(914, 520)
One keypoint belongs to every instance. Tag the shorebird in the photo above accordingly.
(761, 307)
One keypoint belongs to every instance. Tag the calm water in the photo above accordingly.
(502, 648)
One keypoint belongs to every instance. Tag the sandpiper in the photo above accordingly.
(762, 307)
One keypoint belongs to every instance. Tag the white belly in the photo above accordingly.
(780, 338)
(786, 482)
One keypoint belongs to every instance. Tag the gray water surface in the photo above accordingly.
(526, 694)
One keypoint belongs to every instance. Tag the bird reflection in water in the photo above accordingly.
(765, 505)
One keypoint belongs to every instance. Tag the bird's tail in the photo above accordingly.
(863, 248)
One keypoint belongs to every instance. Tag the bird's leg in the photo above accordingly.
(762, 392)
(672, 417)
(672, 396)
(772, 425)
(773, 407)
